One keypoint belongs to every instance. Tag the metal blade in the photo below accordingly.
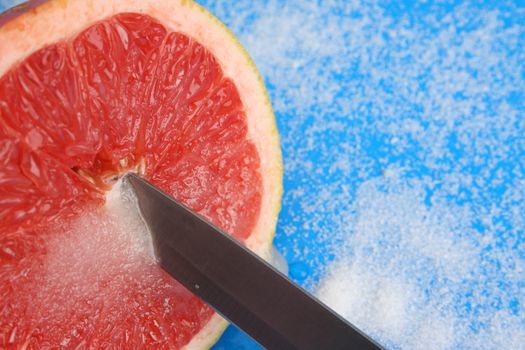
(237, 283)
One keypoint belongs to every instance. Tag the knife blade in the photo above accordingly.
(237, 283)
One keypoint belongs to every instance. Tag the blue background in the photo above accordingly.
(430, 94)
(429, 91)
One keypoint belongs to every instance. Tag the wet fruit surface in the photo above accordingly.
(121, 95)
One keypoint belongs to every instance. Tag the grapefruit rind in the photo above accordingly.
(57, 20)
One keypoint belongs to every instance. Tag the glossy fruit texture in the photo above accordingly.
(124, 94)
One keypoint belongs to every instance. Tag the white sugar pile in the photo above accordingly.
(414, 275)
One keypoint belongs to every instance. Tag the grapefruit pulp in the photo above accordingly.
(90, 89)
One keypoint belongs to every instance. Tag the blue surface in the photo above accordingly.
(348, 79)
(432, 92)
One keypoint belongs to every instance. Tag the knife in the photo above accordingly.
(238, 284)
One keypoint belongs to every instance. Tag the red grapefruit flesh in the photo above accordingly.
(120, 89)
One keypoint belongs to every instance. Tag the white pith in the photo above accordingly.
(61, 19)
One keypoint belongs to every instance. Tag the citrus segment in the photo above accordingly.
(224, 189)
(112, 57)
(102, 291)
(44, 101)
(182, 78)
(195, 139)
(34, 188)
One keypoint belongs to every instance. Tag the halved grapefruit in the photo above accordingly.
(91, 89)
